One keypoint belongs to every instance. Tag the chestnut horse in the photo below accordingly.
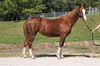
(59, 27)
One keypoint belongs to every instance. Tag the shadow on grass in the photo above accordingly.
(48, 55)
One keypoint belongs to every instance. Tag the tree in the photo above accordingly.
(8, 9)
(55, 5)
(33, 6)
(12, 9)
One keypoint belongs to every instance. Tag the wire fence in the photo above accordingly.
(55, 14)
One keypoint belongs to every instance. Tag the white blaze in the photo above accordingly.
(84, 15)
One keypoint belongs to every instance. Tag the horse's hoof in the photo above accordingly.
(34, 58)
(24, 56)
(60, 57)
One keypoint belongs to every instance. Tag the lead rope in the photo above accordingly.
(91, 34)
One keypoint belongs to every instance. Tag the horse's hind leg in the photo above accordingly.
(30, 45)
(30, 49)
(24, 48)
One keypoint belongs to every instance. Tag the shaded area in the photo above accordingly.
(48, 55)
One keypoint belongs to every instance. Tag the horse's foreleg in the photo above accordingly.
(61, 43)
(59, 52)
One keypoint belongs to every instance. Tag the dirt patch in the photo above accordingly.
(70, 48)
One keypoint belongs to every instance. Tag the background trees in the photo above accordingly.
(12, 9)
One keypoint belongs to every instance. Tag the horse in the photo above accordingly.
(58, 27)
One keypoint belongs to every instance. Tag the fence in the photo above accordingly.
(44, 15)
(93, 10)
(56, 14)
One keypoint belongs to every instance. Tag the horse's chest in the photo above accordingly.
(65, 28)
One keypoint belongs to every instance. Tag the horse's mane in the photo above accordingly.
(73, 11)
(68, 14)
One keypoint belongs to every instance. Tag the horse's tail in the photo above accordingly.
(29, 30)
(25, 30)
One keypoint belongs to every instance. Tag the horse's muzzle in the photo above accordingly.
(84, 19)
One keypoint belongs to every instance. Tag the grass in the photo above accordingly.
(8, 55)
(81, 48)
(12, 32)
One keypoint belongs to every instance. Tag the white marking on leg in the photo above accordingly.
(62, 55)
(59, 52)
(24, 52)
(30, 52)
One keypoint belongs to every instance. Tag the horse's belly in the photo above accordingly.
(49, 34)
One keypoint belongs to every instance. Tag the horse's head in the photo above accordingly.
(81, 12)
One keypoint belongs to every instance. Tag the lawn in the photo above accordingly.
(12, 32)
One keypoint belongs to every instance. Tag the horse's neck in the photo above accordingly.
(71, 17)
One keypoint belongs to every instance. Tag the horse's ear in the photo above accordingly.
(80, 5)
(84, 5)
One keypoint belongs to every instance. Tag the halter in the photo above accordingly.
(79, 14)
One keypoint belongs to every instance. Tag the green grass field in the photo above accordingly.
(12, 32)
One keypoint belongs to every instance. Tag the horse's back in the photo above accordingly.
(34, 19)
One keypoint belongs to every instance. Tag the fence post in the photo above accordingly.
(42, 15)
(54, 14)
(92, 10)
(95, 10)
(30, 15)
(89, 10)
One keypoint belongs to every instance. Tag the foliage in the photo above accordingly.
(12, 9)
